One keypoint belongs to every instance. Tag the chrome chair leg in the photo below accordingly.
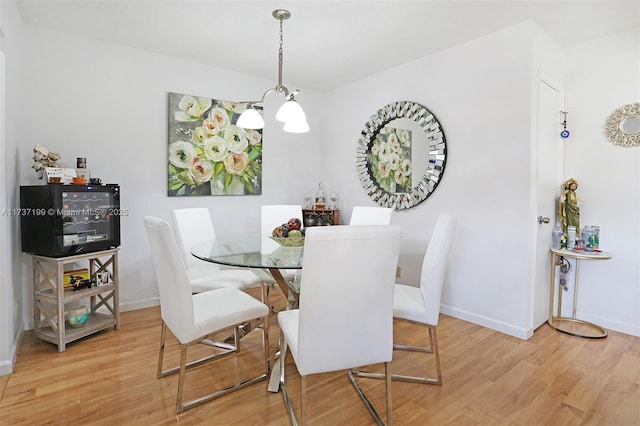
(387, 376)
(387, 386)
(283, 387)
(303, 399)
(432, 348)
(265, 345)
(184, 366)
(163, 335)
(183, 369)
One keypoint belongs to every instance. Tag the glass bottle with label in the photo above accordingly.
(320, 201)
(571, 237)
(557, 236)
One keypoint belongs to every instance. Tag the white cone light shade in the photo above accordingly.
(291, 111)
(250, 119)
(300, 126)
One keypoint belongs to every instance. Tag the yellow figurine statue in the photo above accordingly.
(569, 207)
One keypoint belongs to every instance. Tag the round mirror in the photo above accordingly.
(401, 155)
(623, 125)
(631, 126)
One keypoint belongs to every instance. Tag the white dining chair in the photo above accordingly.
(191, 317)
(421, 305)
(345, 318)
(192, 226)
(365, 215)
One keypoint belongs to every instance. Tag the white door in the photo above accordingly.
(549, 179)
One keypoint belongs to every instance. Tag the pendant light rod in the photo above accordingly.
(281, 15)
(290, 112)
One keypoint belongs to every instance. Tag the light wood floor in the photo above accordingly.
(489, 379)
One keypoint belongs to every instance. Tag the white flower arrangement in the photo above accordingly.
(43, 157)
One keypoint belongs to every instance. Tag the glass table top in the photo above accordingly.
(251, 250)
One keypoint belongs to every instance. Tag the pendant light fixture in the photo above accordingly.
(290, 113)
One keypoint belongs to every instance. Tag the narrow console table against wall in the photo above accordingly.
(572, 325)
(50, 297)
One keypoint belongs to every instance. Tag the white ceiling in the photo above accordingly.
(326, 43)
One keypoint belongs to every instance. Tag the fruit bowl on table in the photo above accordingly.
(289, 241)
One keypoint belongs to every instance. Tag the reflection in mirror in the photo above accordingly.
(623, 125)
(631, 125)
(401, 155)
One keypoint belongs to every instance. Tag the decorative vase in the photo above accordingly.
(236, 187)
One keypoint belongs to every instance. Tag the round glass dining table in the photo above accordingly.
(253, 251)
(257, 252)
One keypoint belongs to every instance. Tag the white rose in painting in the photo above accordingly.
(236, 163)
(236, 139)
(220, 117)
(384, 153)
(201, 171)
(394, 161)
(191, 109)
(255, 137)
(404, 136)
(383, 169)
(406, 167)
(182, 154)
(215, 148)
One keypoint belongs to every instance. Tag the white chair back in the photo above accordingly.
(176, 303)
(434, 266)
(361, 215)
(191, 226)
(346, 299)
(272, 216)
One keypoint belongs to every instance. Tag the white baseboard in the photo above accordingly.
(6, 365)
(139, 304)
(510, 329)
(522, 333)
(620, 327)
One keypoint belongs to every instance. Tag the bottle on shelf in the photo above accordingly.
(571, 237)
(588, 238)
(320, 201)
(557, 236)
(333, 198)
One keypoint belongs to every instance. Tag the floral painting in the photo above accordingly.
(390, 159)
(208, 153)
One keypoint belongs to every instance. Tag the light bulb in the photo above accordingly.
(290, 111)
(250, 119)
(299, 126)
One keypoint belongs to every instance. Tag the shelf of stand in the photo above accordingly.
(320, 217)
(96, 322)
(50, 297)
(70, 295)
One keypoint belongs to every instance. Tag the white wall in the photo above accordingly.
(481, 93)
(11, 285)
(602, 76)
(108, 103)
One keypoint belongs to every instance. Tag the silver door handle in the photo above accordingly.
(542, 220)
